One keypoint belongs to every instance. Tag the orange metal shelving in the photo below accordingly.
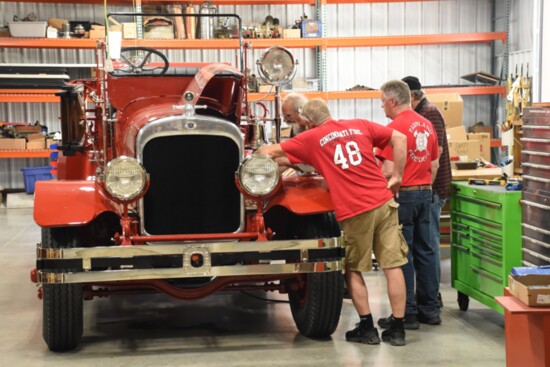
(374, 94)
(29, 95)
(377, 41)
(223, 2)
(38, 153)
(415, 40)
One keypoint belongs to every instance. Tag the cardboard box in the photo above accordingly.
(482, 129)
(36, 144)
(97, 31)
(292, 33)
(35, 136)
(533, 289)
(28, 129)
(450, 105)
(50, 142)
(456, 133)
(484, 141)
(129, 31)
(468, 148)
(16, 144)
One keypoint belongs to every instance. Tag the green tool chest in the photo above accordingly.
(485, 241)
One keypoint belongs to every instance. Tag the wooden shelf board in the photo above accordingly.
(38, 153)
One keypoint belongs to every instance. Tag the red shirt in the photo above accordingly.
(342, 151)
(422, 147)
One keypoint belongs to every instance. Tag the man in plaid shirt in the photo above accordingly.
(442, 183)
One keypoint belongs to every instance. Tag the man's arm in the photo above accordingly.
(274, 151)
(435, 167)
(398, 143)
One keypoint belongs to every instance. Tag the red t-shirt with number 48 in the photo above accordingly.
(342, 151)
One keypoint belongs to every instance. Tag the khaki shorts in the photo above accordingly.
(377, 231)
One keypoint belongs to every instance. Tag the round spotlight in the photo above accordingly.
(276, 66)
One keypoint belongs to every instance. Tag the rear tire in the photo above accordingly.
(62, 323)
(316, 305)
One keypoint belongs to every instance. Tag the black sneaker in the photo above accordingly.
(430, 320)
(361, 335)
(394, 336)
(410, 322)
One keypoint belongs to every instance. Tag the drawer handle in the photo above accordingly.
(536, 254)
(481, 249)
(486, 258)
(486, 274)
(533, 152)
(485, 234)
(487, 243)
(540, 179)
(536, 242)
(459, 225)
(460, 248)
(477, 220)
(536, 205)
(480, 202)
(533, 165)
(460, 234)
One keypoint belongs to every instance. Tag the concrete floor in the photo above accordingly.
(222, 330)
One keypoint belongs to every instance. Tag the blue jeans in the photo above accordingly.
(414, 216)
(435, 212)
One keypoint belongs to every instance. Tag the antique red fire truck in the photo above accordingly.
(159, 188)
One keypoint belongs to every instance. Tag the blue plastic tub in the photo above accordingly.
(33, 174)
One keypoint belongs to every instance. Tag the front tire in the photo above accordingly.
(317, 301)
(62, 323)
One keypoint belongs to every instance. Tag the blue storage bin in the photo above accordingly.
(33, 174)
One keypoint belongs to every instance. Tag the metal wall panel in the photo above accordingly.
(346, 67)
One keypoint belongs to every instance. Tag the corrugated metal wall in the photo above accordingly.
(346, 67)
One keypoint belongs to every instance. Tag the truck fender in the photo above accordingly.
(304, 195)
(74, 203)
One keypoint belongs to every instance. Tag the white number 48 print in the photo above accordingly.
(351, 155)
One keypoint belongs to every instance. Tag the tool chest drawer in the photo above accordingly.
(486, 240)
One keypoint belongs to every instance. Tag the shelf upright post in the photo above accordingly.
(139, 20)
(320, 7)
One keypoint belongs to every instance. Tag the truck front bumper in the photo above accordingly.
(188, 260)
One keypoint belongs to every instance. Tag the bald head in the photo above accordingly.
(316, 111)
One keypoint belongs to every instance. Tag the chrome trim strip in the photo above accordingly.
(187, 251)
(176, 249)
(145, 274)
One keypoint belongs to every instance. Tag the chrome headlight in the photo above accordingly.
(258, 175)
(277, 66)
(125, 178)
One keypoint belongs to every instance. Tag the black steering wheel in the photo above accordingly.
(136, 60)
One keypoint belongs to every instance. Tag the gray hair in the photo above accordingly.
(397, 89)
(417, 94)
(295, 100)
(316, 111)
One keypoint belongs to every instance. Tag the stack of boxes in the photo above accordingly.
(474, 145)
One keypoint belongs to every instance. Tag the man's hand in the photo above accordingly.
(394, 183)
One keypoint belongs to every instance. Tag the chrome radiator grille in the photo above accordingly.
(192, 184)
